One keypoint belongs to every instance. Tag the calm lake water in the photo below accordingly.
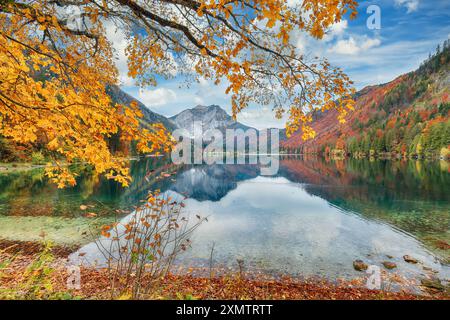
(313, 219)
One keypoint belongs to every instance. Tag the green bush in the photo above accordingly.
(38, 158)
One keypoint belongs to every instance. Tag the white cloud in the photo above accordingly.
(411, 5)
(336, 30)
(385, 62)
(370, 43)
(260, 118)
(157, 97)
(294, 3)
(199, 101)
(348, 46)
(367, 57)
(203, 82)
(352, 46)
(119, 42)
(307, 45)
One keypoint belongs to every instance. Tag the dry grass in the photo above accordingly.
(95, 285)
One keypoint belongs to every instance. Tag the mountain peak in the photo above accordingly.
(211, 117)
(210, 107)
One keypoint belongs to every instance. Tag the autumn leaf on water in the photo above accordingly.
(90, 215)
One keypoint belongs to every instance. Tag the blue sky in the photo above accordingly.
(410, 30)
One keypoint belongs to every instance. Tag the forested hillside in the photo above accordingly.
(407, 117)
(14, 152)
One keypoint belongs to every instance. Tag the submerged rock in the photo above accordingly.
(429, 269)
(389, 265)
(410, 259)
(359, 265)
(433, 284)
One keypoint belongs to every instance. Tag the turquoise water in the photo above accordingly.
(313, 219)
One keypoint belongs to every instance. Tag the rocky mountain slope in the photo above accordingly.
(208, 117)
(119, 96)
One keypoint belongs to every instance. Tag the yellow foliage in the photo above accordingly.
(53, 78)
(52, 90)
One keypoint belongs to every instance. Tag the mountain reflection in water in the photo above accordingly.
(314, 218)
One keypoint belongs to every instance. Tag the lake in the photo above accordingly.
(314, 218)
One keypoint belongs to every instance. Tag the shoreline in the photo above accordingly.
(11, 167)
(7, 167)
(95, 285)
(385, 156)
(230, 285)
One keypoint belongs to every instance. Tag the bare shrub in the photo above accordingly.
(142, 248)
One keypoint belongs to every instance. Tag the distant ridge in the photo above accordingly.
(119, 96)
(210, 117)
(408, 116)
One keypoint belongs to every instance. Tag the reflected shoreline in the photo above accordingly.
(407, 196)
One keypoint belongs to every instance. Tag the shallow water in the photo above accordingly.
(313, 219)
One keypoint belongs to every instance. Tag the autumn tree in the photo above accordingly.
(53, 74)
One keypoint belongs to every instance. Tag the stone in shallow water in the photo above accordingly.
(410, 259)
(359, 265)
(389, 265)
(429, 269)
(433, 284)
